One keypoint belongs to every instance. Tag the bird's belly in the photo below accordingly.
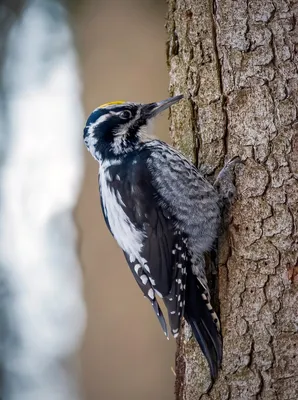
(129, 238)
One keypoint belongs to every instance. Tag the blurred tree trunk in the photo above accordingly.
(237, 61)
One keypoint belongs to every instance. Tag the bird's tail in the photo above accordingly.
(204, 323)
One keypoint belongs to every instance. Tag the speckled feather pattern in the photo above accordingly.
(187, 195)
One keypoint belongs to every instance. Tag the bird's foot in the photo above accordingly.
(224, 182)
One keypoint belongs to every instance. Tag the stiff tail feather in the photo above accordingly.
(204, 323)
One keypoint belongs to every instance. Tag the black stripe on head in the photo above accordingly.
(132, 107)
(99, 112)
(95, 115)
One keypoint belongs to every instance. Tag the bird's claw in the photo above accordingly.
(224, 181)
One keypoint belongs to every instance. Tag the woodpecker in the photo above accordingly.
(162, 212)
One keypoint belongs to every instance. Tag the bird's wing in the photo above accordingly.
(185, 193)
(160, 266)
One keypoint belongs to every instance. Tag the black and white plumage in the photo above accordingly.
(163, 214)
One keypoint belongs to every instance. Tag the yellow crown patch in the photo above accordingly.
(112, 103)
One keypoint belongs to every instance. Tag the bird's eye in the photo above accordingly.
(126, 114)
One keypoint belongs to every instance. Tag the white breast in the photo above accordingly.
(128, 237)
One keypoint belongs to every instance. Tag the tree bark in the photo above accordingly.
(237, 63)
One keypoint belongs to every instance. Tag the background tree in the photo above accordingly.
(237, 61)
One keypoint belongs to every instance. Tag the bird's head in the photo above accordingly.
(117, 128)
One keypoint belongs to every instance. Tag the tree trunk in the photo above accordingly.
(237, 62)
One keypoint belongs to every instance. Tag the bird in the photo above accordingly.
(163, 214)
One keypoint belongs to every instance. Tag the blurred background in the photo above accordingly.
(74, 324)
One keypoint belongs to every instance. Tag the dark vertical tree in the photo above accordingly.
(237, 61)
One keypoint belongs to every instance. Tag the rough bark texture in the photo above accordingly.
(237, 62)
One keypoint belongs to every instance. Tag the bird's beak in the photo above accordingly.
(157, 108)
